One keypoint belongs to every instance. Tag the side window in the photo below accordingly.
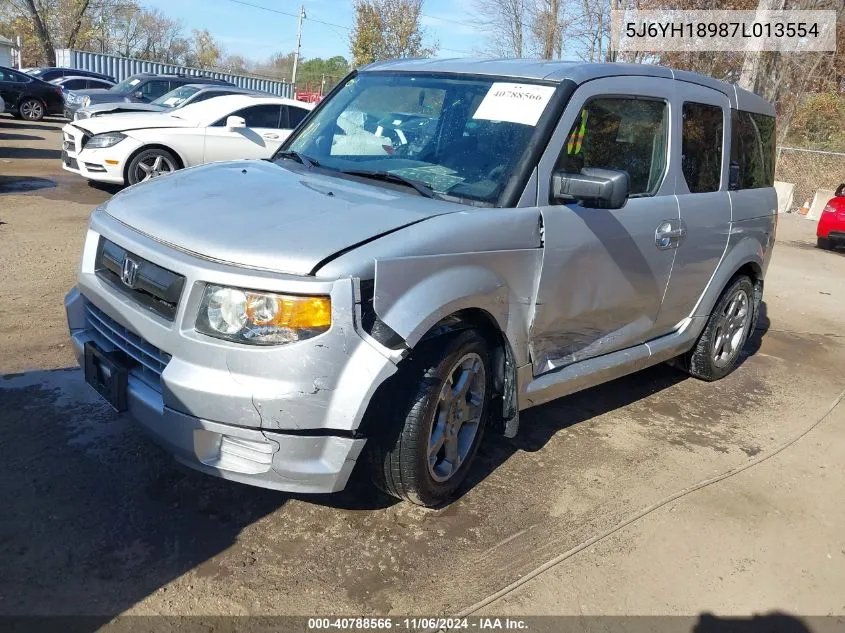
(77, 84)
(753, 149)
(202, 96)
(261, 115)
(701, 147)
(155, 88)
(97, 83)
(295, 115)
(620, 133)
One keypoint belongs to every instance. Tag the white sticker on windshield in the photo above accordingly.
(515, 103)
(171, 101)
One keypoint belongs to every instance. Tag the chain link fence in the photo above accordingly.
(809, 170)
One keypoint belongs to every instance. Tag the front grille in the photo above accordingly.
(145, 359)
(151, 286)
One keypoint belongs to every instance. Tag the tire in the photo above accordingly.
(425, 412)
(718, 348)
(824, 243)
(150, 163)
(31, 109)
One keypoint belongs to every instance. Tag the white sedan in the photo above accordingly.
(132, 147)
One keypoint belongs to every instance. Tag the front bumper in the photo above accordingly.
(91, 163)
(283, 417)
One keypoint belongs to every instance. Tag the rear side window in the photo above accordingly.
(753, 149)
(295, 116)
(77, 84)
(623, 134)
(701, 147)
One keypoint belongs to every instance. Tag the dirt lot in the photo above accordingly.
(96, 519)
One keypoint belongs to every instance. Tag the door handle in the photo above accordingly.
(270, 136)
(669, 235)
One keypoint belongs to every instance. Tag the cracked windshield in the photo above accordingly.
(458, 138)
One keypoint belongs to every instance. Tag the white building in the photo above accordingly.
(8, 52)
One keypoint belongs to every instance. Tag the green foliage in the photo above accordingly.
(388, 29)
(818, 122)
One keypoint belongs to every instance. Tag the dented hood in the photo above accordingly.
(261, 215)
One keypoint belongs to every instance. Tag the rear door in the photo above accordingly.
(701, 115)
(259, 139)
(10, 88)
(605, 270)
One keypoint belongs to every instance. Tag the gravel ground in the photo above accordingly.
(97, 520)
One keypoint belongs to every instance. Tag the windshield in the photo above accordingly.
(175, 97)
(126, 85)
(460, 136)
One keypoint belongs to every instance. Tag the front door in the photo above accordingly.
(605, 271)
(261, 137)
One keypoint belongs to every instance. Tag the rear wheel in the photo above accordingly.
(824, 243)
(717, 350)
(429, 433)
(31, 110)
(151, 163)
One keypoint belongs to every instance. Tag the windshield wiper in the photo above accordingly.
(300, 158)
(386, 176)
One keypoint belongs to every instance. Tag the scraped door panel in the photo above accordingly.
(604, 271)
(602, 281)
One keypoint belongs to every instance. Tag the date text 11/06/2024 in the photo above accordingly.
(417, 624)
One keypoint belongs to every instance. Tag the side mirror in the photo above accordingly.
(593, 187)
(235, 123)
(138, 95)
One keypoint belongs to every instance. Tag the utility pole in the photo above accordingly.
(298, 45)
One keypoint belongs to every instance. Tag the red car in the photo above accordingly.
(831, 229)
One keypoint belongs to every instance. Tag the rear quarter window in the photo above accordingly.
(753, 138)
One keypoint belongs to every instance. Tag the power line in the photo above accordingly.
(348, 28)
(292, 15)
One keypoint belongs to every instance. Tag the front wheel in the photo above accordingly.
(149, 164)
(717, 350)
(428, 435)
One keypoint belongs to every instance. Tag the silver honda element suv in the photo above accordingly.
(440, 245)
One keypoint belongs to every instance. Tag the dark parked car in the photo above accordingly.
(140, 88)
(79, 82)
(50, 73)
(28, 97)
(177, 98)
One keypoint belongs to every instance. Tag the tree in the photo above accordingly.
(505, 22)
(206, 52)
(55, 23)
(387, 29)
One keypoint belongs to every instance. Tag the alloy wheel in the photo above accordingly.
(153, 166)
(32, 110)
(457, 418)
(731, 327)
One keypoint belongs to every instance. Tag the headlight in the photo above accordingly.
(86, 101)
(104, 140)
(261, 318)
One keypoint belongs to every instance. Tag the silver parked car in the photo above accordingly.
(439, 246)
